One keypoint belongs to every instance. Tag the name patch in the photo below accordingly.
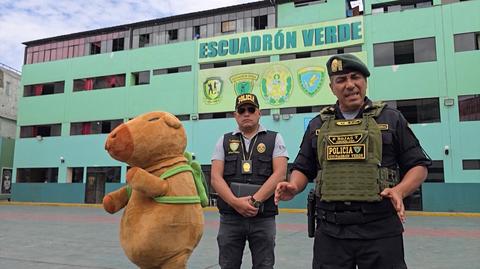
(345, 139)
(349, 122)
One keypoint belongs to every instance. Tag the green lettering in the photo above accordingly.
(256, 43)
(212, 49)
(291, 40)
(244, 45)
(330, 34)
(356, 30)
(319, 36)
(202, 50)
(222, 45)
(307, 37)
(267, 42)
(343, 32)
(233, 46)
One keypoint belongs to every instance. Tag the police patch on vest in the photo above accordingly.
(346, 152)
(345, 139)
(348, 122)
(233, 146)
(261, 148)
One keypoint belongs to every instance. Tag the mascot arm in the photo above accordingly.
(115, 200)
(146, 183)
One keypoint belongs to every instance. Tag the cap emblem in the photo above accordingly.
(337, 65)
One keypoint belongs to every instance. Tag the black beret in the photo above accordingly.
(246, 98)
(345, 63)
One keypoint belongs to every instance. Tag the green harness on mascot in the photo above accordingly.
(200, 183)
(350, 155)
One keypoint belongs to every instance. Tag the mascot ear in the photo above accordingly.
(172, 121)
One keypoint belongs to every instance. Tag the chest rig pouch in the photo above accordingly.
(350, 154)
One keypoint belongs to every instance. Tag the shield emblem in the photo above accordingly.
(212, 90)
(311, 79)
(357, 149)
(243, 82)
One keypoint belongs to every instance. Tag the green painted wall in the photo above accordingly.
(289, 15)
(451, 197)
(451, 75)
(48, 192)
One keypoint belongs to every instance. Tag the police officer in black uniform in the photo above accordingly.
(247, 164)
(365, 160)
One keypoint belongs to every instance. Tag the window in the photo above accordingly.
(471, 164)
(87, 84)
(219, 64)
(354, 7)
(75, 175)
(141, 78)
(405, 52)
(95, 47)
(260, 22)
(435, 172)
(40, 131)
(229, 26)
(425, 110)
(37, 175)
(94, 127)
(301, 3)
(469, 107)
(400, 5)
(172, 70)
(467, 41)
(44, 89)
(118, 44)
(143, 40)
(172, 34)
(107, 174)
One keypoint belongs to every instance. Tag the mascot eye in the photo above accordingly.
(154, 119)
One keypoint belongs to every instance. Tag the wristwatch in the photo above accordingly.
(254, 202)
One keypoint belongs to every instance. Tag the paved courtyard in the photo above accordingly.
(54, 237)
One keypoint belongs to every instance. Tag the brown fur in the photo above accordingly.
(152, 234)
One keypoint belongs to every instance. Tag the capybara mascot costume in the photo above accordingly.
(163, 218)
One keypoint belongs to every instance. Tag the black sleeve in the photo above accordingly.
(306, 160)
(410, 152)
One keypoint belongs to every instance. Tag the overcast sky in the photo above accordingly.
(27, 20)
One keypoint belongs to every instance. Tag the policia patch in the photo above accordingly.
(346, 152)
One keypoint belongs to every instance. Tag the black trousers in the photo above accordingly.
(334, 253)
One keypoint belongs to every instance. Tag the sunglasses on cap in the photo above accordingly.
(242, 109)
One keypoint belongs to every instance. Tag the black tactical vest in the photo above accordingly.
(262, 167)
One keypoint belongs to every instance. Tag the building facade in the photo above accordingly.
(9, 85)
(76, 88)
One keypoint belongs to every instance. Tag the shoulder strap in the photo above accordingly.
(327, 113)
(375, 109)
(198, 177)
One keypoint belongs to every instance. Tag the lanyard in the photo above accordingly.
(252, 144)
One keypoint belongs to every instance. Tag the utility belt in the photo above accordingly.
(354, 213)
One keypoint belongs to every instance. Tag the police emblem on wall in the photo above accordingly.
(212, 90)
(244, 82)
(311, 79)
(276, 85)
